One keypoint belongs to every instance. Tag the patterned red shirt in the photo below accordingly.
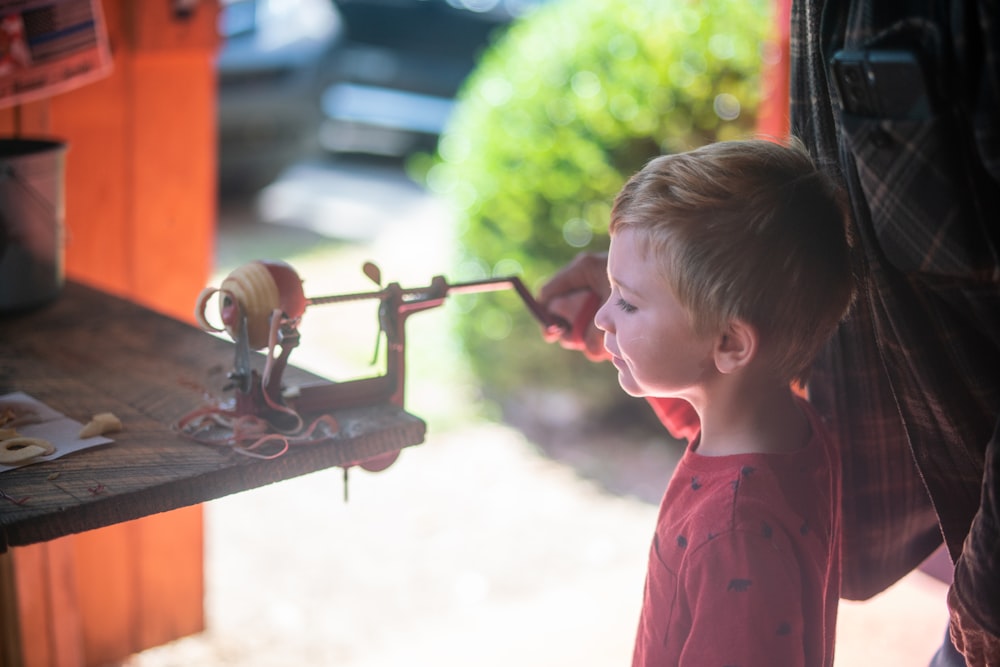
(745, 563)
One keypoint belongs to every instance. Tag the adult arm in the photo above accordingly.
(974, 595)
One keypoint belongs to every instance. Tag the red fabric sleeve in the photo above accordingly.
(677, 416)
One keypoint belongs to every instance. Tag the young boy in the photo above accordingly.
(728, 270)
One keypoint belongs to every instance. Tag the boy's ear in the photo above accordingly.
(736, 346)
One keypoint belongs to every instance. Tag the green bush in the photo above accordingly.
(562, 108)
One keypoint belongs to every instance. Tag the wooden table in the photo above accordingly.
(90, 352)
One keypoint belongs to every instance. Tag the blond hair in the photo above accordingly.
(748, 230)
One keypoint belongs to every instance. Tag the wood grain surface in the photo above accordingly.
(90, 352)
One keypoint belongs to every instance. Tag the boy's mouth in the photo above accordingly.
(618, 361)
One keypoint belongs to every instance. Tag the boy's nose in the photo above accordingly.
(601, 319)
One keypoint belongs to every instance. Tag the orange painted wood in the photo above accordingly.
(31, 581)
(773, 116)
(174, 203)
(67, 638)
(172, 592)
(26, 120)
(106, 593)
(140, 193)
(93, 121)
(143, 580)
(147, 20)
(45, 581)
(100, 596)
(126, 595)
(140, 222)
(10, 636)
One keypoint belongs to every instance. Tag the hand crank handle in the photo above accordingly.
(553, 323)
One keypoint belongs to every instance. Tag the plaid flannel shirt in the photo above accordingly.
(911, 382)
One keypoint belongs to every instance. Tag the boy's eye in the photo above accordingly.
(626, 306)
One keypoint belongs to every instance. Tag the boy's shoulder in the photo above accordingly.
(776, 498)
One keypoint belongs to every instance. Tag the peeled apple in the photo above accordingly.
(257, 289)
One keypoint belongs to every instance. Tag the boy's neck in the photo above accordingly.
(751, 418)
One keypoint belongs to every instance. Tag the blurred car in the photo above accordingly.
(272, 65)
(399, 66)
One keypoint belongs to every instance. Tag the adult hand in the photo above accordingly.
(575, 293)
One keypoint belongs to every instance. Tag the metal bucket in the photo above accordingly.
(32, 216)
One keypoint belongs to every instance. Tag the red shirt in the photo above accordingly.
(745, 563)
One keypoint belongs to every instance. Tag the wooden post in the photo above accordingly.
(141, 164)
(140, 222)
(773, 116)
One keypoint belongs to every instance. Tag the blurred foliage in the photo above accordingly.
(562, 108)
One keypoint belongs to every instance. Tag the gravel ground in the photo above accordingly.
(478, 547)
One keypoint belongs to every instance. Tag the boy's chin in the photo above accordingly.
(630, 387)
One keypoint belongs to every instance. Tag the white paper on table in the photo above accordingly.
(48, 424)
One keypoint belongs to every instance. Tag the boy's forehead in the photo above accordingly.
(628, 243)
(622, 247)
(630, 261)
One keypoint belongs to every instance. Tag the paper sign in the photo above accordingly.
(49, 47)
